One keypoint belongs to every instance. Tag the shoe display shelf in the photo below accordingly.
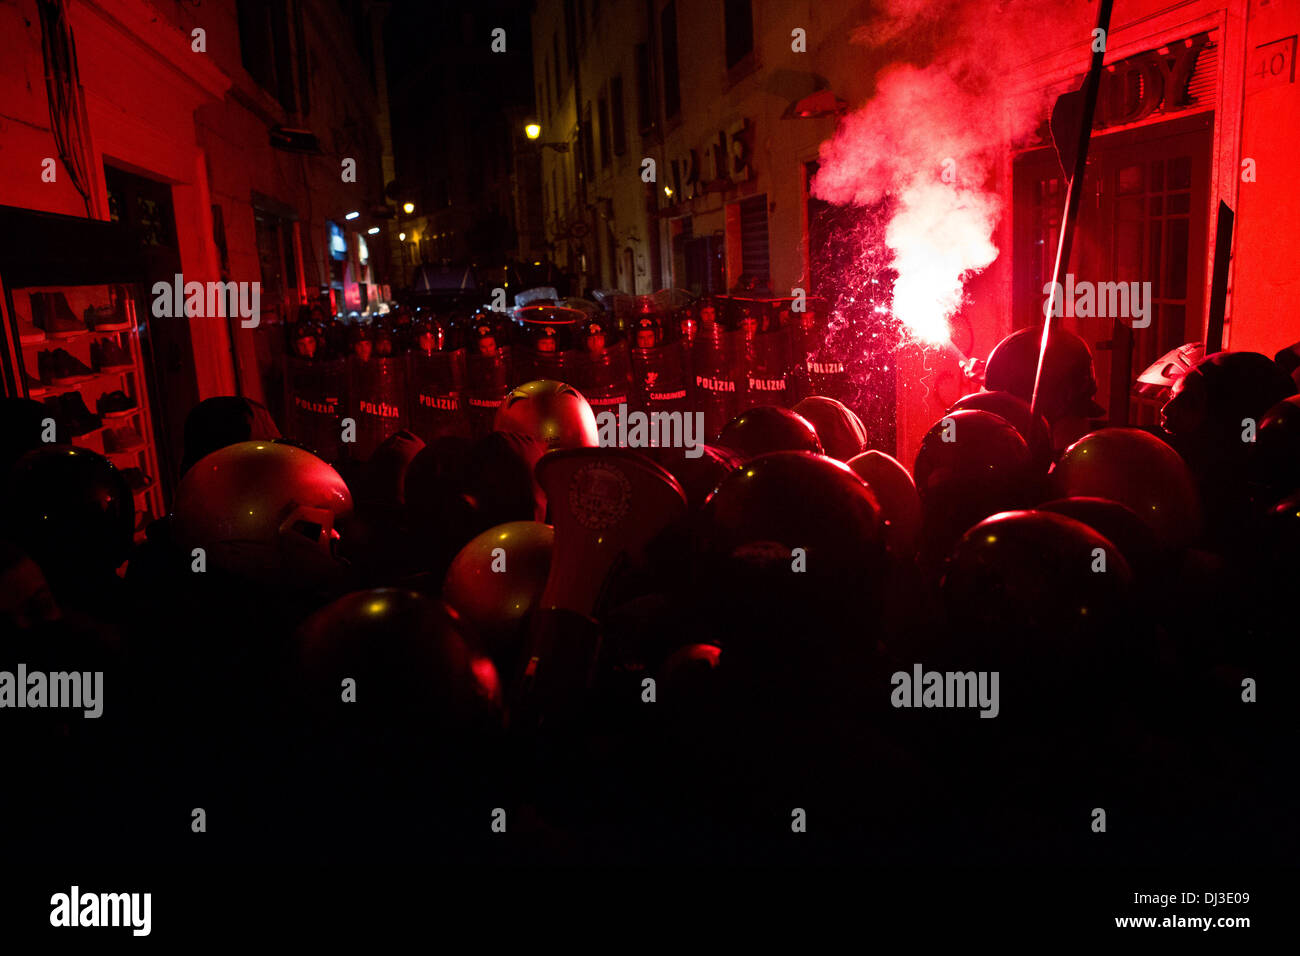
(64, 317)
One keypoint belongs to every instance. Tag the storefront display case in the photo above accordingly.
(74, 342)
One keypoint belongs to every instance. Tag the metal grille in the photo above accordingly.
(754, 255)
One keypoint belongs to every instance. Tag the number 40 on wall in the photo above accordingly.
(1271, 64)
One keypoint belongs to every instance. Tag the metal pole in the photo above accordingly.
(1074, 190)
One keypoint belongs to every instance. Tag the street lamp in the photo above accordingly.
(408, 208)
(534, 130)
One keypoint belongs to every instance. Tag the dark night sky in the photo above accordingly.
(450, 96)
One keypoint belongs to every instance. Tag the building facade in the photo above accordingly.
(237, 137)
(733, 100)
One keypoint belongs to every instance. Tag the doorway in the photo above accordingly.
(1143, 217)
(145, 207)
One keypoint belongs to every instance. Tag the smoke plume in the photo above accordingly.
(929, 137)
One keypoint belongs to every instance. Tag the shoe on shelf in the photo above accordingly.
(79, 418)
(34, 387)
(51, 312)
(28, 333)
(107, 356)
(122, 439)
(137, 479)
(50, 367)
(112, 317)
(60, 367)
(115, 404)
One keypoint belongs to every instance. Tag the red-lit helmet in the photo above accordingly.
(647, 332)
(900, 504)
(1068, 384)
(1138, 470)
(595, 336)
(385, 341)
(552, 412)
(264, 511)
(971, 464)
(768, 428)
(1026, 595)
(1016, 410)
(71, 510)
(361, 341)
(427, 335)
(785, 500)
(308, 339)
(496, 580)
(412, 669)
(1277, 456)
(841, 432)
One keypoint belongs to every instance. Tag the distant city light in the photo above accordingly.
(353, 215)
(408, 208)
(372, 231)
(533, 130)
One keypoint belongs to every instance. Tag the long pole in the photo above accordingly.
(1219, 284)
(1074, 190)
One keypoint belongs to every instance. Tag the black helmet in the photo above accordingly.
(768, 428)
(72, 511)
(1069, 383)
(407, 658)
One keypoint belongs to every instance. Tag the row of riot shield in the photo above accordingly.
(344, 408)
(718, 356)
(747, 352)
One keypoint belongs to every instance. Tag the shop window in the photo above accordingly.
(645, 118)
(702, 257)
(555, 59)
(278, 265)
(668, 44)
(602, 114)
(617, 117)
(588, 147)
(264, 47)
(739, 19)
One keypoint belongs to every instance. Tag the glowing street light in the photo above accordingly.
(408, 208)
(372, 231)
(401, 237)
(352, 215)
(533, 130)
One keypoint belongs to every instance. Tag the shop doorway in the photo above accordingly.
(145, 207)
(1144, 217)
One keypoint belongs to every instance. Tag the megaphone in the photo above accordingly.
(606, 505)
